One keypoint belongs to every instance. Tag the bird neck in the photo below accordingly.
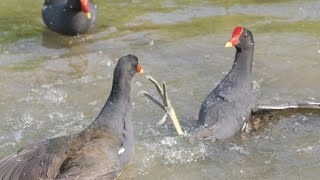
(121, 89)
(115, 117)
(243, 60)
(117, 108)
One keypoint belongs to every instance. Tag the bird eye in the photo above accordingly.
(245, 35)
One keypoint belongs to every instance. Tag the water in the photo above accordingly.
(52, 85)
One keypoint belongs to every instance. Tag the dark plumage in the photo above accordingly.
(229, 105)
(98, 152)
(69, 17)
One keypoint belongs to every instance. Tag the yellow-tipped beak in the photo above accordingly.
(228, 44)
(139, 69)
(88, 15)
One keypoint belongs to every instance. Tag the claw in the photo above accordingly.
(163, 119)
(153, 99)
(165, 94)
(155, 82)
(244, 126)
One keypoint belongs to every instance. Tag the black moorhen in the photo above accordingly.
(98, 152)
(229, 105)
(69, 17)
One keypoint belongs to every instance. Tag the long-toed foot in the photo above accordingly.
(165, 105)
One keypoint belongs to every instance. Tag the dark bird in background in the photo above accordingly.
(69, 17)
(98, 152)
(228, 107)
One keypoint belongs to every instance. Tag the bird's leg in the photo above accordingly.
(169, 111)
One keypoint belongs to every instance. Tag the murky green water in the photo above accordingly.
(52, 85)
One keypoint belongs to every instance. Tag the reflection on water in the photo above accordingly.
(53, 85)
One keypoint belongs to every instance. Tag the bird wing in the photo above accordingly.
(215, 103)
(35, 161)
(70, 157)
(97, 159)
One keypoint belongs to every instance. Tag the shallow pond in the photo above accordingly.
(53, 85)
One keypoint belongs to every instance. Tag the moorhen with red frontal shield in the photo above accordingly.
(99, 152)
(228, 107)
(69, 17)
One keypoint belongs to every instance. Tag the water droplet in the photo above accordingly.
(138, 83)
(151, 43)
(83, 57)
(121, 151)
(93, 103)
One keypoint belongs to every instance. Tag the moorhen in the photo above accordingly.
(98, 152)
(228, 107)
(69, 17)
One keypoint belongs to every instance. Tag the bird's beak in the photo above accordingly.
(228, 44)
(88, 15)
(139, 69)
(232, 42)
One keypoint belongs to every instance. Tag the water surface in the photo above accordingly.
(53, 85)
